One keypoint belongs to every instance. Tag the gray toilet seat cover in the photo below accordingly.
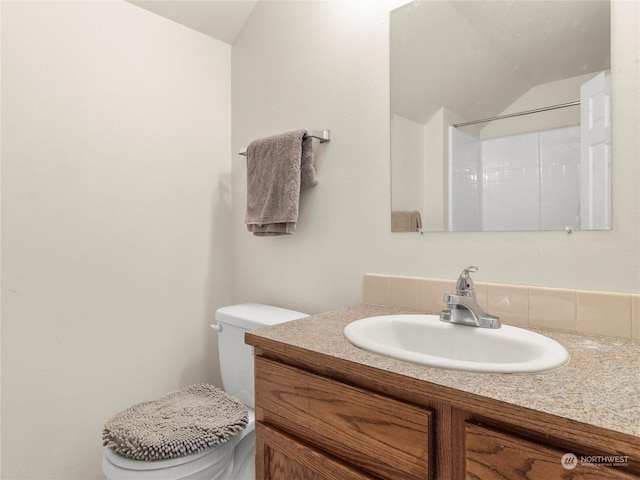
(181, 423)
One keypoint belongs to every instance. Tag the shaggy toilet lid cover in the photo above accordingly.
(178, 424)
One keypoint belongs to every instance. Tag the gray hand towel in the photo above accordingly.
(278, 167)
(406, 221)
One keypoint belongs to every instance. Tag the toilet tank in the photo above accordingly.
(236, 357)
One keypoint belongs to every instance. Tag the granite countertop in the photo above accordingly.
(599, 386)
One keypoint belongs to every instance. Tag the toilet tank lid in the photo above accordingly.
(255, 315)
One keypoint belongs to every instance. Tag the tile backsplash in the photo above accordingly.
(593, 312)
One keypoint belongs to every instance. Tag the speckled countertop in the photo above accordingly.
(599, 386)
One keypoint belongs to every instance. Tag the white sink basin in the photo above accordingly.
(426, 340)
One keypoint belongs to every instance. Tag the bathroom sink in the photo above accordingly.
(426, 340)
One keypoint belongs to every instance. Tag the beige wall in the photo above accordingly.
(115, 214)
(408, 146)
(325, 65)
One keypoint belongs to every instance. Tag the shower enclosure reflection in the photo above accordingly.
(505, 145)
(529, 181)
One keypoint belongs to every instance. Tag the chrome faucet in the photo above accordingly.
(463, 306)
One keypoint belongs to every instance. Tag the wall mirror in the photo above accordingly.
(500, 115)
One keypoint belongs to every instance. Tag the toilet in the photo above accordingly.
(234, 459)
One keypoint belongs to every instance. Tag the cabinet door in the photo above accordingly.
(491, 454)
(281, 457)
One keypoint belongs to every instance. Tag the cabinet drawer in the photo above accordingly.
(381, 435)
(491, 454)
(281, 457)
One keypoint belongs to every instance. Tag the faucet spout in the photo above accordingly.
(463, 306)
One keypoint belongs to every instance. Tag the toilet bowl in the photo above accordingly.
(232, 460)
(235, 458)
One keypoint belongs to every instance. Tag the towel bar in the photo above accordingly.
(322, 135)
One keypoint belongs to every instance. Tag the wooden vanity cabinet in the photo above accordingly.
(319, 418)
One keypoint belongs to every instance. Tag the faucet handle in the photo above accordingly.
(465, 283)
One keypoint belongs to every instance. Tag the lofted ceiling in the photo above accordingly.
(220, 19)
(474, 57)
(477, 57)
